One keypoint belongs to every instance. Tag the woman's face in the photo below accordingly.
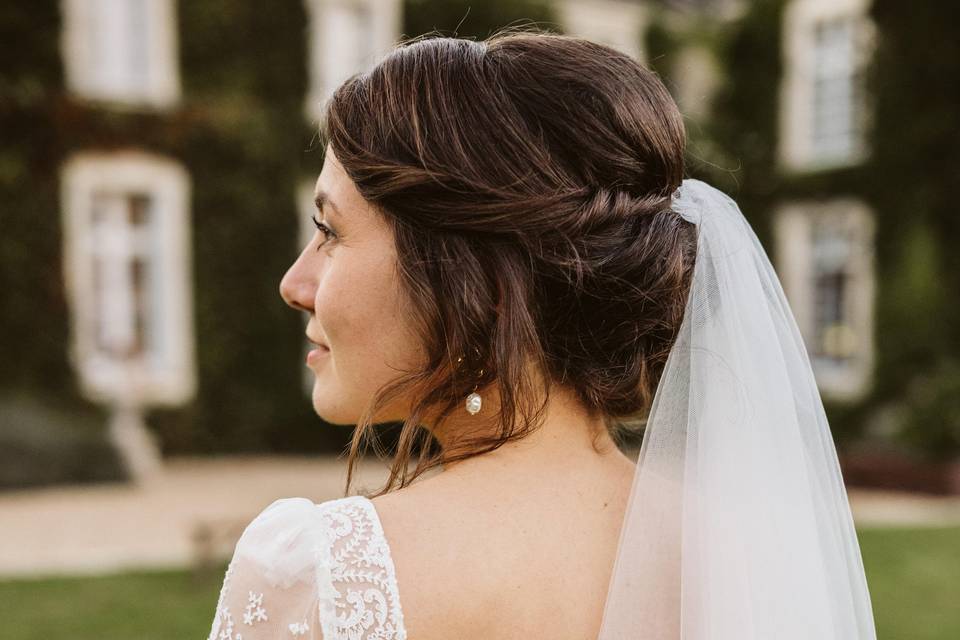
(347, 281)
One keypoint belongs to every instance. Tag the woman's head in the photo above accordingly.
(515, 201)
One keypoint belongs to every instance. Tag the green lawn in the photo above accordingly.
(148, 605)
(914, 578)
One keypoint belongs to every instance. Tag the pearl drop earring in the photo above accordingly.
(474, 401)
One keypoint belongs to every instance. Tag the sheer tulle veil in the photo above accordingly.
(738, 525)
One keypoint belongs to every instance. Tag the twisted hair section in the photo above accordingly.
(527, 180)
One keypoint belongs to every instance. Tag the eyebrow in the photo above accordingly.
(321, 198)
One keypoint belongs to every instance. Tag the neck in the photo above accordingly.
(567, 437)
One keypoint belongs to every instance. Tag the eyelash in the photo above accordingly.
(325, 230)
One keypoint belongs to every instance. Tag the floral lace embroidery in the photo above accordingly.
(355, 578)
(364, 600)
(299, 628)
(254, 612)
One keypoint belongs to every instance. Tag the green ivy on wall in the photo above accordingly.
(474, 20)
(912, 179)
(242, 135)
(908, 180)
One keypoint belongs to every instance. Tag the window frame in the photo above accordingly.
(330, 59)
(89, 80)
(167, 376)
(793, 226)
(797, 151)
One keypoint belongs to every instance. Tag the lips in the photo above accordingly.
(318, 343)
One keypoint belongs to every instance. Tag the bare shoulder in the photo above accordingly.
(463, 548)
(437, 556)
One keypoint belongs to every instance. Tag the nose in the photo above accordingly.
(297, 287)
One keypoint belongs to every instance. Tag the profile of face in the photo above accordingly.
(346, 279)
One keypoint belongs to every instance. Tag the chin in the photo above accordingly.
(330, 411)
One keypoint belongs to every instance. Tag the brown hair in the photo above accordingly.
(527, 179)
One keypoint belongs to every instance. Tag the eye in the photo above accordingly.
(327, 232)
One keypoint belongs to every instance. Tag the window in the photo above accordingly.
(346, 36)
(834, 338)
(837, 81)
(825, 260)
(121, 51)
(305, 231)
(823, 111)
(696, 76)
(126, 261)
(615, 23)
(121, 258)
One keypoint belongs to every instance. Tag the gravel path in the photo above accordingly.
(195, 510)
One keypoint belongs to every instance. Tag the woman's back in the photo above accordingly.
(494, 550)
(499, 553)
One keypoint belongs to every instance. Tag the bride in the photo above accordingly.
(509, 259)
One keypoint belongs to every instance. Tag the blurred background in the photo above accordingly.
(156, 166)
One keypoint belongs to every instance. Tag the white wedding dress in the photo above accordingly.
(310, 571)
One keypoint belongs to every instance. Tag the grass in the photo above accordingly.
(914, 580)
(913, 574)
(142, 605)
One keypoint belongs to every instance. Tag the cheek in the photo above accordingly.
(359, 309)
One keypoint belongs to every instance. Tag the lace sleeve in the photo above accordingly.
(273, 582)
(366, 600)
(311, 571)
